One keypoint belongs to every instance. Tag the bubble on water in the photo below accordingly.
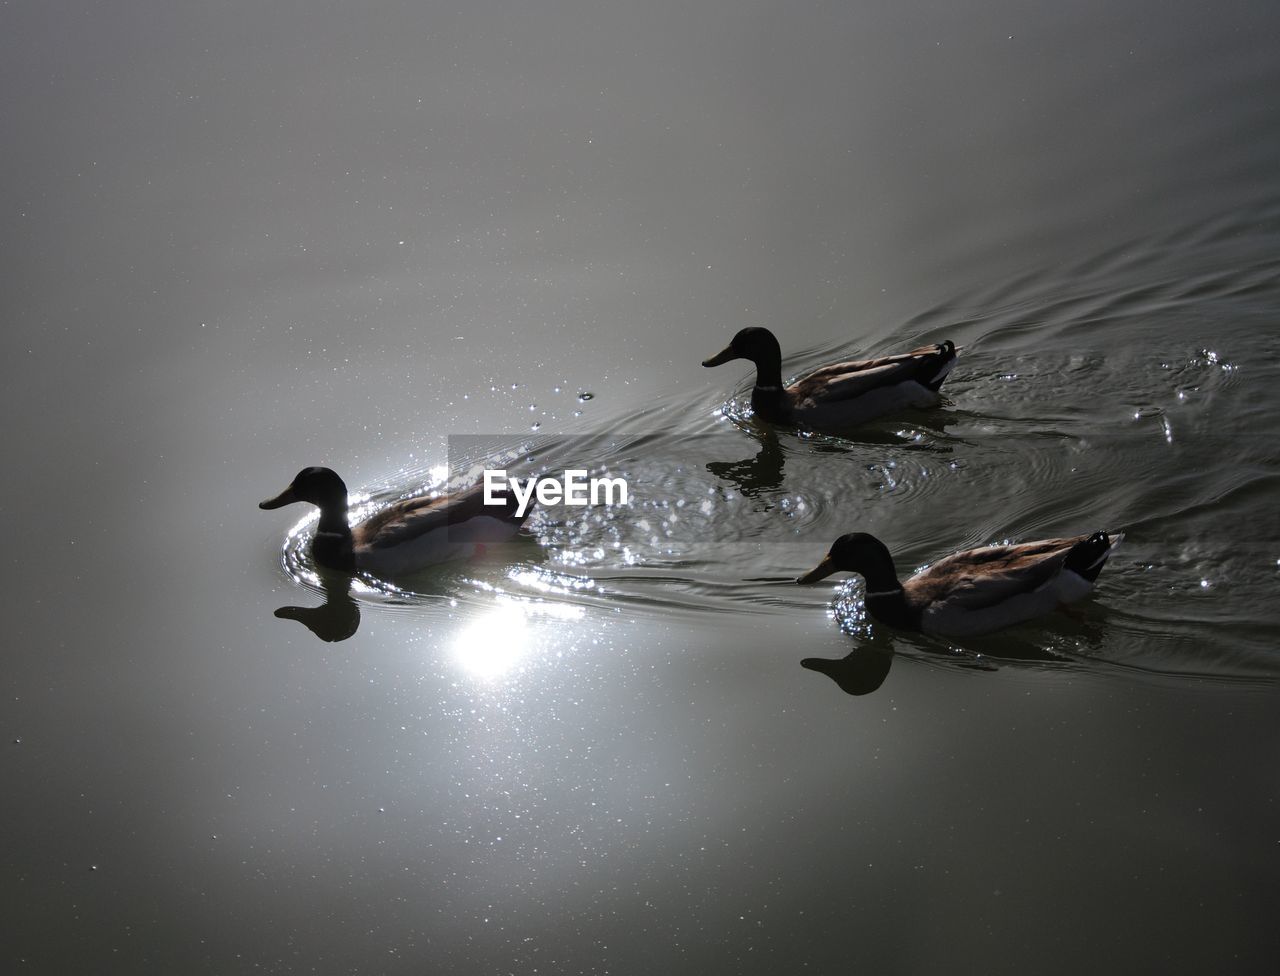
(584, 396)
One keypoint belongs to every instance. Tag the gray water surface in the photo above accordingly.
(240, 240)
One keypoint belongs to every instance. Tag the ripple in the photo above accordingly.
(1133, 389)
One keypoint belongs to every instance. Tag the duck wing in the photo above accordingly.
(927, 366)
(980, 578)
(406, 520)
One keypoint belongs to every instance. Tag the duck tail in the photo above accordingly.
(946, 360)
(1087, 556)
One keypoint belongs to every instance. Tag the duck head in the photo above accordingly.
(857, 552)
(754, 343)
(319, 486)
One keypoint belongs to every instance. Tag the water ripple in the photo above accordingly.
(1132, 390)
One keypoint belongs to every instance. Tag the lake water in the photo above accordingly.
(243, 239)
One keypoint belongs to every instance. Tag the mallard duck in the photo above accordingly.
(975, 591)
(406, 535)
(840, 395)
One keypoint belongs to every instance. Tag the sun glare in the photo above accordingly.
(494, 644)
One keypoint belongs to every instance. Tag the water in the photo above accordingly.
(241, 241)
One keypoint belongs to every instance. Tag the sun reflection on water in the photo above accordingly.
(502, 639)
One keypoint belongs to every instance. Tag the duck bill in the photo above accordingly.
(819, 572)
(721, 357)
(286, 497)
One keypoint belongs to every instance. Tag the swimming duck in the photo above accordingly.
(839, 395)
(406, 535)
(975, 591)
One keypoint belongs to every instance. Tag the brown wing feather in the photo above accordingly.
(844, 381)
(405, 520)
(983, 577)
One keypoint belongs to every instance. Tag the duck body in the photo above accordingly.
(976, 591)
(407, 535)
(839, 395)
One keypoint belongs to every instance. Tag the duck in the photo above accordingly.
(839, 395)
(407, 535)
(976, 591)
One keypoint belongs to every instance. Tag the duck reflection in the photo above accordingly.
(761, 475)
(334, 620)
(1069, 644)
(860, 672)
(338, 618)
(754, 476)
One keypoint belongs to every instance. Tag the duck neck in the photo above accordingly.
(332, 545)
(769, 403)
(885, 598)
(768, 374)
(880, 577)
(333, 518)
(891, 607)
(767, 397)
